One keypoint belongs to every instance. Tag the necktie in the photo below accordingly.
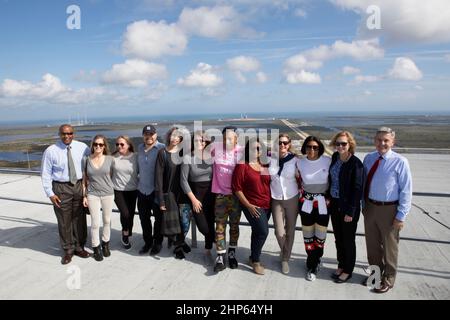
(72, 172)
(370, 176)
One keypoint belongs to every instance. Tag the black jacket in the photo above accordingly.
(351, 179)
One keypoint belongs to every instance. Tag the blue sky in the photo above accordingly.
(144, 57)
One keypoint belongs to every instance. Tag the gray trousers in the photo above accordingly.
(71, 219)
(382, 239)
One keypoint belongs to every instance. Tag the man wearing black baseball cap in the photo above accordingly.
(149, 129)
(147, 206)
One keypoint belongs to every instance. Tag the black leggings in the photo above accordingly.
(205, 219)
(126, 203)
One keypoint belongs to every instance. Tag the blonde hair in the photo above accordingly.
(128, 141)
(351, 140)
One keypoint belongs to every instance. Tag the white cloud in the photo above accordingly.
(148, 40)
(300, 62)
(360, 79)
(347, 70)
(405, 20)
(303, 77)
(405, 69)
(50, 90)
(368, 92)
(219, 22)
(447, 58)
(261, 77)
(417, 87)
(202, 76)
(314, 58)
(243, 63)
(134, 73)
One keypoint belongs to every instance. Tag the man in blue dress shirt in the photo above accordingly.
(61, 175)
(387, 201)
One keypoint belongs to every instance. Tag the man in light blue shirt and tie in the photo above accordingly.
(387, 202)
(61, 175)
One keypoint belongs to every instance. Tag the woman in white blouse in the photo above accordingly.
(284, 192)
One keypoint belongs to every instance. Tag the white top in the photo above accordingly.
(283, 186)
(314, 174)
(125, 174)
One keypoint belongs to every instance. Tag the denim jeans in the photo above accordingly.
(260, 230)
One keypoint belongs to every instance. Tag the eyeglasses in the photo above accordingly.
(120, 144)
(101, 145)
(338, 144)
(284, 143)
(67, 133)
(315, 148)
(199, 140)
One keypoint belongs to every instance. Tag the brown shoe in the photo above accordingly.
(383, 288)
(258, 268)
(82, 254)
(67, 258)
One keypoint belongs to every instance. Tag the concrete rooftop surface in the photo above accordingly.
(30, 255)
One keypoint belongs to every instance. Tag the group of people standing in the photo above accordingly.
(220, 179)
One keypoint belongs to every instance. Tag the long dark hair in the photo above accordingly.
(263, 150)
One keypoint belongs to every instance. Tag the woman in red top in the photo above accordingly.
(251, 184)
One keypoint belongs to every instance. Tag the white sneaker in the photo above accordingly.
(284, 267)
(310, 276)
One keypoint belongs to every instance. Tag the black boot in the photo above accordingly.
(220, 265)
(105, 249)
(232, 262)
(179, 253)
(98, 255)
(186, 248)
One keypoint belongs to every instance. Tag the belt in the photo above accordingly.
(383, 203)
(66, 182)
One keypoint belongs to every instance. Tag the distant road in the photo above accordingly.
(303, 135)
(293, 127)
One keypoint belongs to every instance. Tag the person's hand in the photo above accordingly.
(398, 224)
(85, 202)
(197, 206)
(56, 201)
(162, 208)
(348, 218)
(253, 210)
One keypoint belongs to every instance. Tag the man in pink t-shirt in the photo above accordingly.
(226, 155)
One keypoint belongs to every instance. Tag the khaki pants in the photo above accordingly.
(382, 239)
(285, 213)
(100, 207)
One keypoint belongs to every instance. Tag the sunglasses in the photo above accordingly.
(120, 144)
(315, 148)
(101, 145)
(67, 133)
(338, 144)
(284, 143)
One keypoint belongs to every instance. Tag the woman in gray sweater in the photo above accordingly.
(196, 180)
(98, 194)
(125, 181)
